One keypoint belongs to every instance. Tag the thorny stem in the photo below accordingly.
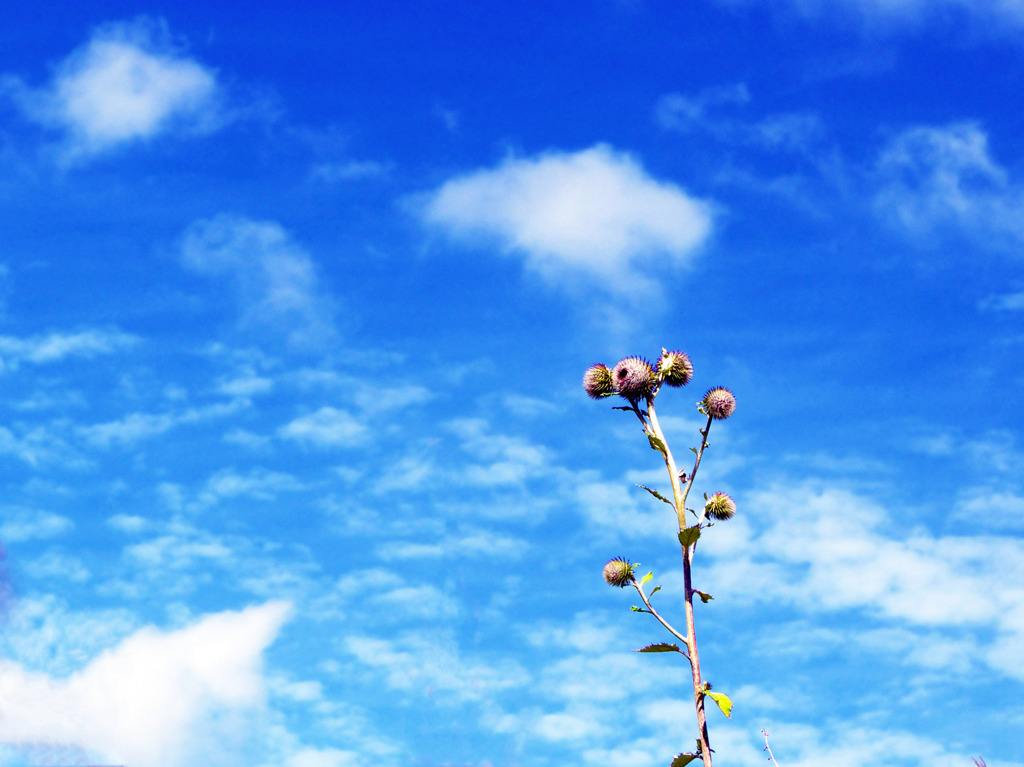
(679, 494)
(768, 748)
(661, 620)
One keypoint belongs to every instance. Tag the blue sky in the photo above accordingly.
(295, 304)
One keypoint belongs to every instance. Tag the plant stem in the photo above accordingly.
(679, 494)
(661, 620)
(771, 756)
(691, 645)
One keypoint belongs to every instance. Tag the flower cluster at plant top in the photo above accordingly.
(636, 379)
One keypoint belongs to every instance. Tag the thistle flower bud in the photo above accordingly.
(618, 572)
(719, 403)
(633, 378)
(597, 381)
(675, 368)
(720, 506)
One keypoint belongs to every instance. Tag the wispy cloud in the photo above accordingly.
(885, 14)
(706, 111)
(28, 524)
(935, 178)
(1004, 302)
(138, 426)
(352, 170)
(596, 213)
(53, 347)
(127, 83)
(327, 427)
(275, 281)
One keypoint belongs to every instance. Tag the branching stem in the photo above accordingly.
(768, 748)
(652, 426)
(661, 620)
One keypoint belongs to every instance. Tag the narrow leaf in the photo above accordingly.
(683, 759)
(654, 591)
(636, 609)
(704, 597)
(646, 578)
(723, 702)
(689, 536)
(657, 495)
(660, 647)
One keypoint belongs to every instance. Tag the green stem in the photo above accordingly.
(661, 620)
(680, 495)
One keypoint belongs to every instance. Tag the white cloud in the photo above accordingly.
(257, 483)
(595, 212)
(1006, 302)
(908, 12)
(53, 347)
(28, 524)
(508, 460)
(56, 565)
(992, 508)
(127, 83)
(424, 665)
(933, 178)
(704, 112)
(353, 170)
(324, 757)
(137, 426)
(827, 549)
(127, 523)
(275, 281)
(154, 697)
(327, 427)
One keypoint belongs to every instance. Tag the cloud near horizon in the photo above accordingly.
(148, 700)
(596, 212)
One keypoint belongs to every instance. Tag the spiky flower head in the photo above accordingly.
(720, 506)
(597, 381)
(633, 378)
(719, 403)
(618, 572)
(675, 368)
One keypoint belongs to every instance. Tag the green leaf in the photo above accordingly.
(646, 578)
(657, 495)
(654, 591)
(689, 536)
(723, 702)
(656, 444)
(705, 598)
(636, 609)
(683, 759)
(660, 647)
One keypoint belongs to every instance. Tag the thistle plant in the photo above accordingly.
(638, 382)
